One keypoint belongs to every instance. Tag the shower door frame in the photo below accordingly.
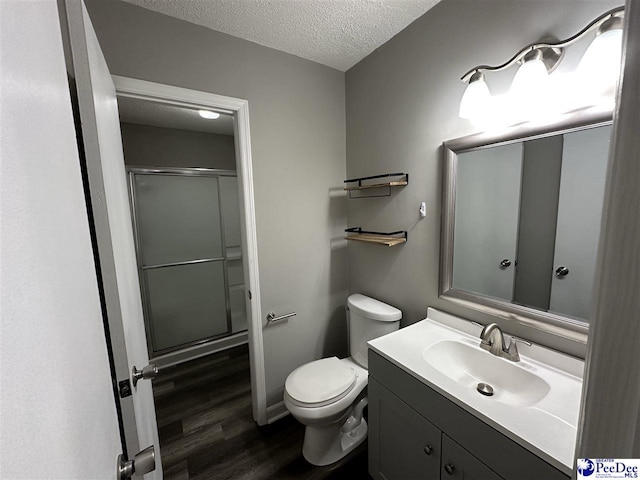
(146, 298)
(239, 108)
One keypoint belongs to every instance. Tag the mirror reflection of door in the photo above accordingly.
(536, 205)
(486, 228)
(584, 168)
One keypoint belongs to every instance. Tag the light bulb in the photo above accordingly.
(476, 98)
(530, 78)
(529, 90)
(208, 114)
(599, 68)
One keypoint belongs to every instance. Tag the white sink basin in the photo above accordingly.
(536, 401)
(468, 365)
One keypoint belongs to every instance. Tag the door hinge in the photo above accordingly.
(143, 462)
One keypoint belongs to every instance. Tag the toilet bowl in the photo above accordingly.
(328, 395)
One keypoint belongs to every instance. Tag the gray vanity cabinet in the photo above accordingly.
(415, 433)
(458, 464)
(407, 445)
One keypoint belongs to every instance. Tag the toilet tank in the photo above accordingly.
(368, 319)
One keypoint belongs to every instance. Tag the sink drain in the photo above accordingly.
(485, 389)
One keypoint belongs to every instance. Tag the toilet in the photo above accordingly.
(328, 395)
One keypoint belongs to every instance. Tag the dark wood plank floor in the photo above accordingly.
(206, 429)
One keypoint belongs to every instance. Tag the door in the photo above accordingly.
(59, 416)
(487, 205)
(403, 445)
(458, 464)
(114, 232)
(181, 255)
(584, 168)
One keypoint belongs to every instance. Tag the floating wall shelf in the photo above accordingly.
(376, 182)
(379, 238)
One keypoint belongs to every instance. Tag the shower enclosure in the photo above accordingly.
(187, 232)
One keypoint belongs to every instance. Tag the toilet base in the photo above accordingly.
(324, 445)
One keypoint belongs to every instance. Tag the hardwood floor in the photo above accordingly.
(206, 429)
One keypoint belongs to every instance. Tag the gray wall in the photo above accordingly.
(402, 103)
(297, 115)
(541, 166)
(147, 146)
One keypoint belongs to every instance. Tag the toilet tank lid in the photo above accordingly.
(374, 309)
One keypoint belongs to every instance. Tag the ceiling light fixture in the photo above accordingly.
(208, 114)
(599, 67)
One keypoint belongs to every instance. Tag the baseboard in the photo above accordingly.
(276, 412)
(197, 351)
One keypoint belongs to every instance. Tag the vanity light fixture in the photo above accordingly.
(599, 66)
(476, 97)
(208, 114)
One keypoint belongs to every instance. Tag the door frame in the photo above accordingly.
(239, 108)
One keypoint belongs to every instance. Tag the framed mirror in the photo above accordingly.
(521, 221)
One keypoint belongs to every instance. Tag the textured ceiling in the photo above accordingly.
(144, 112)
(336, 33)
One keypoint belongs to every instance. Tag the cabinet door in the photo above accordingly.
(402, 444)
(458, 464)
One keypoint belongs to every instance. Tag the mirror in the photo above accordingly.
(522, 219)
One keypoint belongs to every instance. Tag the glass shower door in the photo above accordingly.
(181, 258)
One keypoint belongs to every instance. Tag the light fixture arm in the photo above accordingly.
(555, 46)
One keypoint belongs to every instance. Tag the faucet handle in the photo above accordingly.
(513, 347)
(518, 339)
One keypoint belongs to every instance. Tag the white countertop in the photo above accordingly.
(547, 427)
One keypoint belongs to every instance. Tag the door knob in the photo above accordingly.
(505, 263)
(148, 372)
(428, 449)
(449, 468)
(143, 462)
(562, 271)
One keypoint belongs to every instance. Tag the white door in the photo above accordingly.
(58, 408)
(584, 168)
(114, 230)
(486, 223)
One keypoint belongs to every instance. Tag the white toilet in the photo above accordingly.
(328, 395)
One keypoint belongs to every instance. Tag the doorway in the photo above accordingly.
(183, 189)
(216, 195)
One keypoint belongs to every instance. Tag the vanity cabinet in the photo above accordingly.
(458, 464)
(407, 445)
(417, 433)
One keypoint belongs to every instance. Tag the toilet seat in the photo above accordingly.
(320, 383)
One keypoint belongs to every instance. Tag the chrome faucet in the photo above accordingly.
(492, 339)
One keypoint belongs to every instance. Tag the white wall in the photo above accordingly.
(57, 408)
(402, 103)
(609, 423)
(297, 115)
